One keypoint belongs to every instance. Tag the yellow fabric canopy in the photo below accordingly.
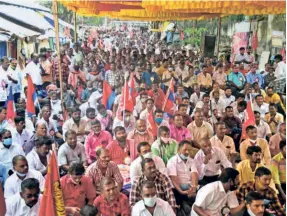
(161, 10)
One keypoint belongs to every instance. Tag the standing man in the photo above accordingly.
(4, 80)
(34, 71)
(280, 74)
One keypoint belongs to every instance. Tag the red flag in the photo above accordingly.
(127, 99)
(52, 202)
(254, 42)
(151, 125)
(31, 97)
(107, 91)
(2, 202)
(249, 119)
(169, 100)
(10, 107)
(133, 89)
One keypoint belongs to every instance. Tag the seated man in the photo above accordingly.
(88, 210)
(273, 118)
(77, 189)
(71, 151)
(274, 143)
(255, 204)
(261, 185)
(183, 174)
(150, 203)
(161, 182)
(212, 199)
(104, 167)
(97, 138)
(177, 130)
(209, 161)
(144, 151)
(164, 147)
(252, 140)
(25, 202)
(127, 121)
(13, 183)
(111, 201)
(140, 133)
(38, 158)
(278, 170)
(263, 129)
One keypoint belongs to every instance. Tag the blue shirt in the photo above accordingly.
(146, 77)
(252, 78)
(86, 94)
(237, 78)
(3, 174)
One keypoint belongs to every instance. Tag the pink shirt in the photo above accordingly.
(118, 154)
(179, 133)
(93, 142)
(106, 122)
(137, 138)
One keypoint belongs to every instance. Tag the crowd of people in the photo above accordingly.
(111, 162)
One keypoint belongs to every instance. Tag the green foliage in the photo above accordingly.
(194, 35)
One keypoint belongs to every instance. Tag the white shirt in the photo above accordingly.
(280, 71)
(212, 198)
(228, 100)
(22, 138)
(262, 129)
(6, 155)
(218, 105)
(34, 161)
(118, 122)
(194, 99)
(212, 168)
(3, 82)
(35, 72)
(136, 169)
(145, 112)
(177, 167)
(51, 125)
(162, 208)
(56, 108)
(13, 183)
(84, 108)
(16, 206)
(263, 109)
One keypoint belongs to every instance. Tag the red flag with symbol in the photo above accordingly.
(249, 119)
(151, 125)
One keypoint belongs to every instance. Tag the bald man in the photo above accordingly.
(140, 134)
(209, 161)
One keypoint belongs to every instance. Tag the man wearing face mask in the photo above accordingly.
(150, 203)
(261, 185)
(97, 138)
(158, 118)
(73, 184)
(127, 121)
(216, 198)
(165, 147)
(34, 71)
(144, 151)
(8, 149)
(140, 104)
(105, 117)
(140, 134)
(27, 201)
(149, 108)
(183, 174)
(87, 92)
(56, 106)
(21, 172)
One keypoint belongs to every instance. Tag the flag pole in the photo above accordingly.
(167, 93)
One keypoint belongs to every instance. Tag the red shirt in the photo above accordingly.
(120, 206)
(118, 154)
(76, 195)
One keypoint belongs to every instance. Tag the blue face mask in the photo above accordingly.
(183, 157)
(7, 141)
(158, 120)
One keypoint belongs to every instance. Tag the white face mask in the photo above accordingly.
(148, 155)
(253, 141)
(140, 133)
(150, 202)
(21, 174)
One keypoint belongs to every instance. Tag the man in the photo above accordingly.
(104, 167)
(127, 121)
(233, 125)
(263, 129)
(111, 201)
(247, 167)
(209, 161)
(196, 96)
(114, 78)
(260, 106)
(34, 71)
(121, 148)
(253, 77)
(204, 80)
(78, 55)
(253, 140)
(280, 73)
(274, 98)
(218, 103)
(97, 138)
(199, 128)
(242, 57)
(16, 78)
(189, 80)
(228, 97)
(149, 108)
(212, 199)
(8, 149)
(21, 135)
(225, 143)
(150, 203)
(77, 189)
(38, 159)
(255, 205)
(236, 80)
(21, 172)
(140, 134)
(278, 170)
(177, 130)
(4, 124)
(180, 93)
(273, 118)
(158, 118)
(140, 104)
(239, 110)
(71, 151)
(46, 69)
(204, 102)
(163, 68)
(182, 109)
(161, 181)
(149, 76)
(4, 80)
(219, 76)
(165, 147)
(25, 202)
(183, 174)
(275, 140)
(144, 151)
(215, 87)
(105, 117)
(261, 185)
(76, 124)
